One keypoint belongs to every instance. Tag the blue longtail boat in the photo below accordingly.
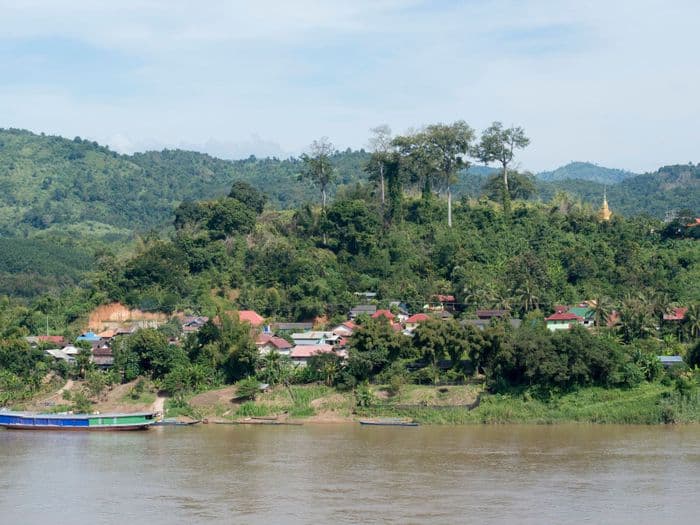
(34, 421)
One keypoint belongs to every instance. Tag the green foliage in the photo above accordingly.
(373, 346)
(248, 388)
(147, 352)
(32, 266)
(225, 346)
(364, 397)
(693, 356)
(82, 404)
(562, 360)
(189, 378)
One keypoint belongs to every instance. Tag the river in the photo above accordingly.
(352, 474)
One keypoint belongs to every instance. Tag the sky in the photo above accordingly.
(610, 82)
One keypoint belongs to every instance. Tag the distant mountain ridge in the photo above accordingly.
(586, 171)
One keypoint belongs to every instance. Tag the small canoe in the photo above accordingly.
(174, 423)
(388, 423)
(34, 421)
(258, 422)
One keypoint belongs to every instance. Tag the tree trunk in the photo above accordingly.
(323, 198)
(506, 192)
(427, 188)
(449, 207)
(381, 181)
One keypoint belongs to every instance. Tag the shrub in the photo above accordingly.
(248, 388)
(364, 398)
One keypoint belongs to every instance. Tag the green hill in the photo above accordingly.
(48, 180)
(670, 188)
(585, 171)
(49, 183)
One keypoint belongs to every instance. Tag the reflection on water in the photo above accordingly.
(352, 474)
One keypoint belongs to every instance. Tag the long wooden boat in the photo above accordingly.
(175, 423)
(34, 421)
(388, 422)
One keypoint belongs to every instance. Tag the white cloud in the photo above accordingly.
(610, 82)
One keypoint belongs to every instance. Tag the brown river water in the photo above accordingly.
(352, 474)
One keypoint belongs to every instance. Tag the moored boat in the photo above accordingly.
(34, 421)
(169, 422)
(389, 422)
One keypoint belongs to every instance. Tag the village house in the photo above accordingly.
(292, 327)
(676, 315)
(384, 313)
(442, 302)
(67, 353)
(345, 329)
(251, 317)
(585, 312)
(191, 323)
(668, 361)
(89, 337)
(492, 314)
(315, 338)
(362, 309)
(482, 324)
(55, 341)
(301, 354)
(563, 321)
(59, 355)
(412, 322)
(267, 343)
(103, 357)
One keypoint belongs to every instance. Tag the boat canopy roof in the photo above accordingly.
(73, 416)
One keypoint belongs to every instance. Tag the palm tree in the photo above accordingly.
(602, 310)
(691, 323)
(527, 296)
(660, 304)
(636, 318)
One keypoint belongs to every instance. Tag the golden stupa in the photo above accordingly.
(604, 214)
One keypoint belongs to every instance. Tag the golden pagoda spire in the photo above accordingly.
(604, 214)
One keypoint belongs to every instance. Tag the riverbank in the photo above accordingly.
(649, 403)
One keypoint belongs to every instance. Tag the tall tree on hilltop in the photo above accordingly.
(434, 155)
(380, 145)
(448, 145)
(416, 161)
(498, 145)
(318, 166)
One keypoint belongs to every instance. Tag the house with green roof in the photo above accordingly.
(584, 312)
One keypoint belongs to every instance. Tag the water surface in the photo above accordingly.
(353, 474)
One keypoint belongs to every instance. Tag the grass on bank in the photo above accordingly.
(649, 403)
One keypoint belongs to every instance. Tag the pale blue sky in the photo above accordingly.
(612, 82)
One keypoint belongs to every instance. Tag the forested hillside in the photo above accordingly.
(670, 188)
(50, 181)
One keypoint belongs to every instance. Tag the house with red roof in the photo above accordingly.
(563, 321)
(266, 343)
(252, 317)
(345, 329)
(301, 354)
(57, 340)
(413, 321)
(383, 313)
(441, 302)
(490, 314)
(676, 315)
